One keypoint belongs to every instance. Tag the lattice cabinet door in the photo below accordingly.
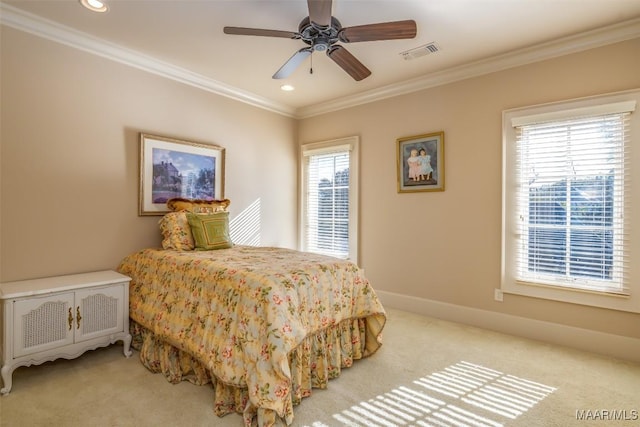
(98, 312)
(43, 323)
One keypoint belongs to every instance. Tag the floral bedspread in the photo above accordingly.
(241, 311)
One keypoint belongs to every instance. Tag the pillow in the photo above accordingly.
(176, 232)
(198, 206)
(210, 231)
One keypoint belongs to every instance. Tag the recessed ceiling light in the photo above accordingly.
(287, 88)
(94, 5)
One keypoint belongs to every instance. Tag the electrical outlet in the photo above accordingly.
(497, 294)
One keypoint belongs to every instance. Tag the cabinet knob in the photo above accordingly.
(70, 318)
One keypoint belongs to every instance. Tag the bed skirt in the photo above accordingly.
(319, 358)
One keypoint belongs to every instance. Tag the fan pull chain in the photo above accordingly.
(311, 66)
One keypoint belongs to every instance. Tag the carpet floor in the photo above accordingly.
(428, 372)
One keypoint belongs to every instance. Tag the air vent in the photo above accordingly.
(420, 51)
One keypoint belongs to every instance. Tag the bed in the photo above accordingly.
(263, 325)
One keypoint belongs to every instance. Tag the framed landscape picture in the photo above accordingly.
(420, 162)
(172, 168)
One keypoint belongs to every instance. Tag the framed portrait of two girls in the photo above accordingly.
(421, 163)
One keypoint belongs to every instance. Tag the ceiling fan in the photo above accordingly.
(321, 32)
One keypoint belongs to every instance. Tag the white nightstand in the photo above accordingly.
(62, 317)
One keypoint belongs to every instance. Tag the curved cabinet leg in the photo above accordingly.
(127, 345)
(6, 373)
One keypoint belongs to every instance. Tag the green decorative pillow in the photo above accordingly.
(210, 231)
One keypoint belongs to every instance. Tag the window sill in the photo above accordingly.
(608, 300)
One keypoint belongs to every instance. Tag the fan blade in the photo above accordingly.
(259, 32)
(382, 31)
(292, 63)
(320, 12)
(348, 62)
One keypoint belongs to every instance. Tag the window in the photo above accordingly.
(329, 198)
(567, 201)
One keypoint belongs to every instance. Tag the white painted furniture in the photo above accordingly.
(62, 317)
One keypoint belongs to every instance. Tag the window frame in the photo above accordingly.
(352, 145)
(509, 283)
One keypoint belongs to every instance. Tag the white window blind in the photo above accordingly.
(572, 194)
(328, 199)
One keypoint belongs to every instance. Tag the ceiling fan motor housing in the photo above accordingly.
(319, 37)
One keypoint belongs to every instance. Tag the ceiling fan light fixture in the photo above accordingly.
(94, 5)
(287, 88)
(321, 45)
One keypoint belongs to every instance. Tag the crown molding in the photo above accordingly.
(33, 24)
(626, 30)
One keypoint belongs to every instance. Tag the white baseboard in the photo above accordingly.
(617, 346)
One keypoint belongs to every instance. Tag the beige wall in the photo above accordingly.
(69, 157)
(69, 169)
(446, 246)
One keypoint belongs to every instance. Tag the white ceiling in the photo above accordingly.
(184, 40)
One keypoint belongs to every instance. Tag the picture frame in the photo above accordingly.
(172, 168)
(420, 162)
